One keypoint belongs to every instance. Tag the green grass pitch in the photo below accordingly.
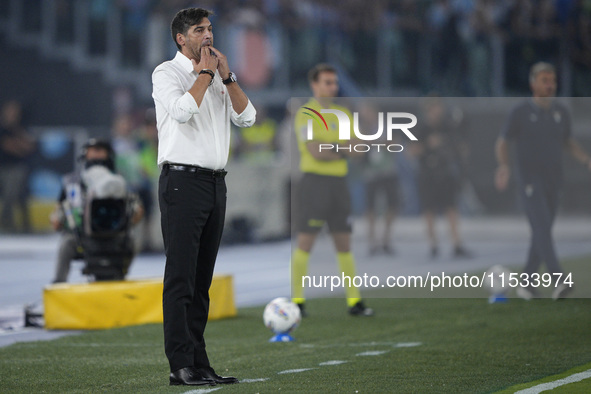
(410, 345)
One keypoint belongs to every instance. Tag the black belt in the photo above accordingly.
(195, 169)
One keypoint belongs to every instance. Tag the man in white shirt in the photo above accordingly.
(196, 97)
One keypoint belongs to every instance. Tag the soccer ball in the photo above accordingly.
(281, 315)
(496, 280)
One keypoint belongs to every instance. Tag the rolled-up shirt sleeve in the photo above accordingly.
(246, 118)
(169, 92)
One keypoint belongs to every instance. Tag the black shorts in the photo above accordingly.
(322, 200)
(386, 185)
(438, 193)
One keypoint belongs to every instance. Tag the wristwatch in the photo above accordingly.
(208, 72)
(230, 79)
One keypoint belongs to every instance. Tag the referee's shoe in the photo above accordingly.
(360, 309)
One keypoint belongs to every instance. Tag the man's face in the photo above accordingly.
(544, 84)
(96, 153)
(434, 113)
(197, 36)
(327, 85)
(11, 113)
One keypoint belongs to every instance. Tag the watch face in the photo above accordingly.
(231, 78)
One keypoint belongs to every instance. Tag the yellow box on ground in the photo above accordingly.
(99, 305)
(39, 212)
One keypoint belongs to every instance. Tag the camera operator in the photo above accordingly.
(69, 215)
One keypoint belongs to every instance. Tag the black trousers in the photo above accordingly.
(193, 207)
(541, 204)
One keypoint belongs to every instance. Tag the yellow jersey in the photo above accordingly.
(308, 164)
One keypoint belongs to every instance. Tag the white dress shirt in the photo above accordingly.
(191, 134)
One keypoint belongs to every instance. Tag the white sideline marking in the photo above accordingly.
(253, 380)
(107, 345)
(295, 370)
(333, 362)
(373, 343)
(17, 331)
(408, 344)
(363, 344)
(201, 391)
(560, 382)
(372, 353)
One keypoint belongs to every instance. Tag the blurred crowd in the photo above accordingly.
(16, 148)
(526, 18)
(459, 39)
(442, 45)
(135, 141)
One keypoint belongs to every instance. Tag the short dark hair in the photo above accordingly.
(540, 67)
(98, 143)
(186, 18)
(320, 68)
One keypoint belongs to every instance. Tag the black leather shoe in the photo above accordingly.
(189, 376)
(209, 373)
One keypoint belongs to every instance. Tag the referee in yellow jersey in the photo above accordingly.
(323, 196)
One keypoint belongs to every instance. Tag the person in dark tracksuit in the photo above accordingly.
(540, 128)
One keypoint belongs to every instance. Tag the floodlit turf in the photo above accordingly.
(411, 345)
(575, 380)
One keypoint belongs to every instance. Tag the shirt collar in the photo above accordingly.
(540, 109)
(184, 62)
(314, 102)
